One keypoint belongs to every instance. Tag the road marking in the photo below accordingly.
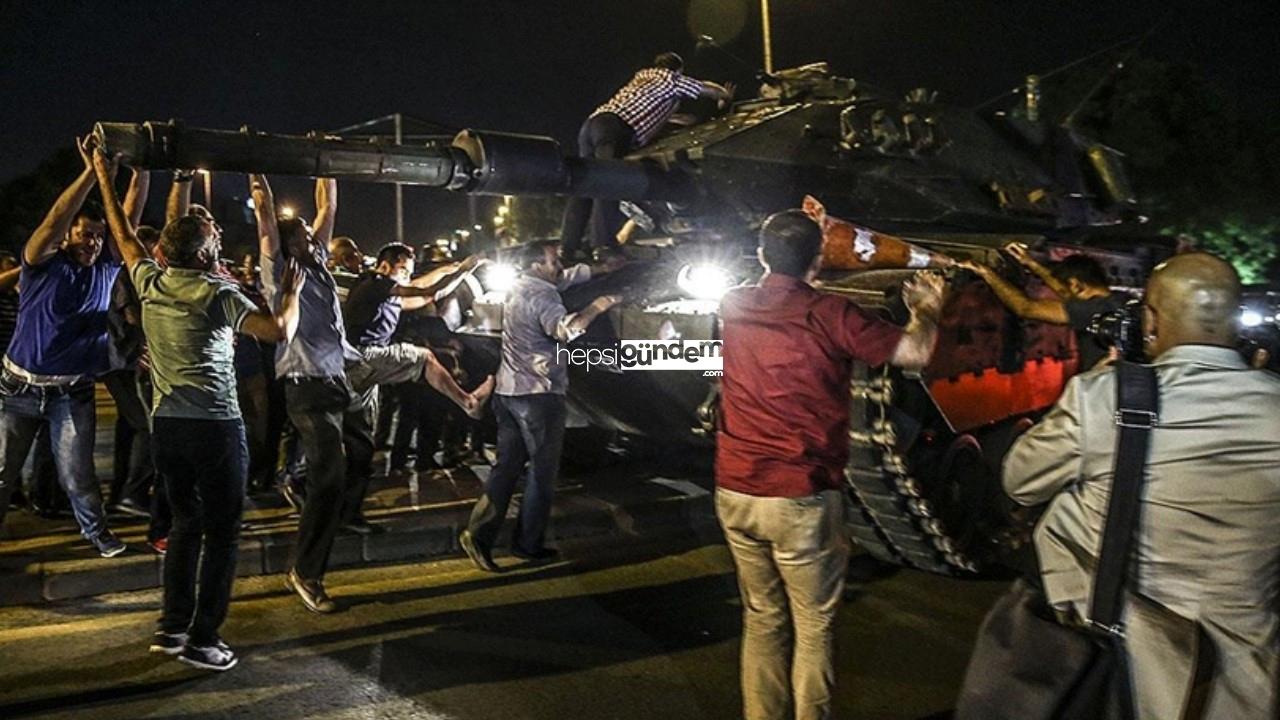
(683, 487)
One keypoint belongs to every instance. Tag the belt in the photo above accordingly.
(31, 378)
(304, 379)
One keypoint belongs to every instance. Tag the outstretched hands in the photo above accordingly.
(924, 294)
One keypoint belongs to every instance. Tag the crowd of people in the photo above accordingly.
(223, 374)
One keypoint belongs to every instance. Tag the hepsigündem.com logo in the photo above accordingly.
(702, 355)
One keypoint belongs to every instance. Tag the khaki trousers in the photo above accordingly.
(791, 555)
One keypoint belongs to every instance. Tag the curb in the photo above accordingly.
(419, 536)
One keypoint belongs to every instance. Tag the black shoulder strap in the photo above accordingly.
(1137, 411)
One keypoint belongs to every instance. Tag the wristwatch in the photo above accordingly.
(182, 175)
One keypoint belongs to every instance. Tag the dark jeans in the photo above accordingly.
(135, 471)
(606, 137)
(68, 412)
(205, 464)
(424, 411)
(333, 427)
(530, 430)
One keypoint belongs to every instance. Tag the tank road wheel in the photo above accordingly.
(965, 494)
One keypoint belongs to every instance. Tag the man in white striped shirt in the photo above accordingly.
(629, 120)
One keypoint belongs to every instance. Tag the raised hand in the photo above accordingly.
(1018, 251)
(924, 293)
(85, 145)
(292, 279)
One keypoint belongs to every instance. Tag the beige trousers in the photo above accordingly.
(791, 555)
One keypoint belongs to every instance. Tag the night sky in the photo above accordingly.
(538, 66)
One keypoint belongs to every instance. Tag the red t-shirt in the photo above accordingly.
(785, 392)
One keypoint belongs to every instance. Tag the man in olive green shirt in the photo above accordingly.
(190, 316)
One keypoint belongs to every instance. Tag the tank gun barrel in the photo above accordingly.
(480, 162)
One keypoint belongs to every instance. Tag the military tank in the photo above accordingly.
(924, 447)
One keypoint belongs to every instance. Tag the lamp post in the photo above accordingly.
(768, 36)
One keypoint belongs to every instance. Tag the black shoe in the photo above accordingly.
(480, 557)
(360, 526)
(168, 643)
(312, 593)
(108, 544)
(129, 506)
(217, 657)
(543, 555)
(427, 465)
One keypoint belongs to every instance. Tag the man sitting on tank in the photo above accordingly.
(1082, 291)
(629, 120)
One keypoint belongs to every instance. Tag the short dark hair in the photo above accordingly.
(392, 253)
(534, 251)
(182, 240)
(91, 211)
(286, 227)
(147, 235)
(669, 61)
(790, 240)
(1083, 268)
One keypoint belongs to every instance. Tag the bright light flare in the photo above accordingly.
(499, 277)
(704, 281)
(286, 212)
(1251, 318)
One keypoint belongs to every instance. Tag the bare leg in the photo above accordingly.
(438, 377)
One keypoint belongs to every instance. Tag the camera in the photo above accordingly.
(1121, 329)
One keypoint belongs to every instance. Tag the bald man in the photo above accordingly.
(1208, 553)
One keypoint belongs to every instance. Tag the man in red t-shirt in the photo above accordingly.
(781, 452)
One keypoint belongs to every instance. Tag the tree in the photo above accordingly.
(25, 200)
(1200, 166)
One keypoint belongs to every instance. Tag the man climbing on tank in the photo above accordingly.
(1081, 289)
(629, 120)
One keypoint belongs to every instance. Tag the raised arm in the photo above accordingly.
(577, 323)
(326, 210)
(44, 242)
(422, 290)
(923, 296)
(9, 279)
(1018, 252)
(264, 211)
(281, 326)
(179, 196)
(135, 198)
(125, 243)
(1043, 309)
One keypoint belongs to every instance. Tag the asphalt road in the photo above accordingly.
(619, 629)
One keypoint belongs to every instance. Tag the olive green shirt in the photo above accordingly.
(190, 318)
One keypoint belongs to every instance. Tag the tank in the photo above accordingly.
(925, 447)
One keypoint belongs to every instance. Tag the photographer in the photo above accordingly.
(1082, 291)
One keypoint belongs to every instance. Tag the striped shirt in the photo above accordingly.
(649, 100)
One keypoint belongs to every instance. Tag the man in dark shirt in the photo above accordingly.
(781, 453)
(372, 314)
(1081, 289)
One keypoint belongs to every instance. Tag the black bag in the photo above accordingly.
(1028, 666)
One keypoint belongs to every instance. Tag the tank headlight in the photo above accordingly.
(1251, 318)
(704, 281)
(498, 277)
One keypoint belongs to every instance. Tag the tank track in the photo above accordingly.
(892, 518)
